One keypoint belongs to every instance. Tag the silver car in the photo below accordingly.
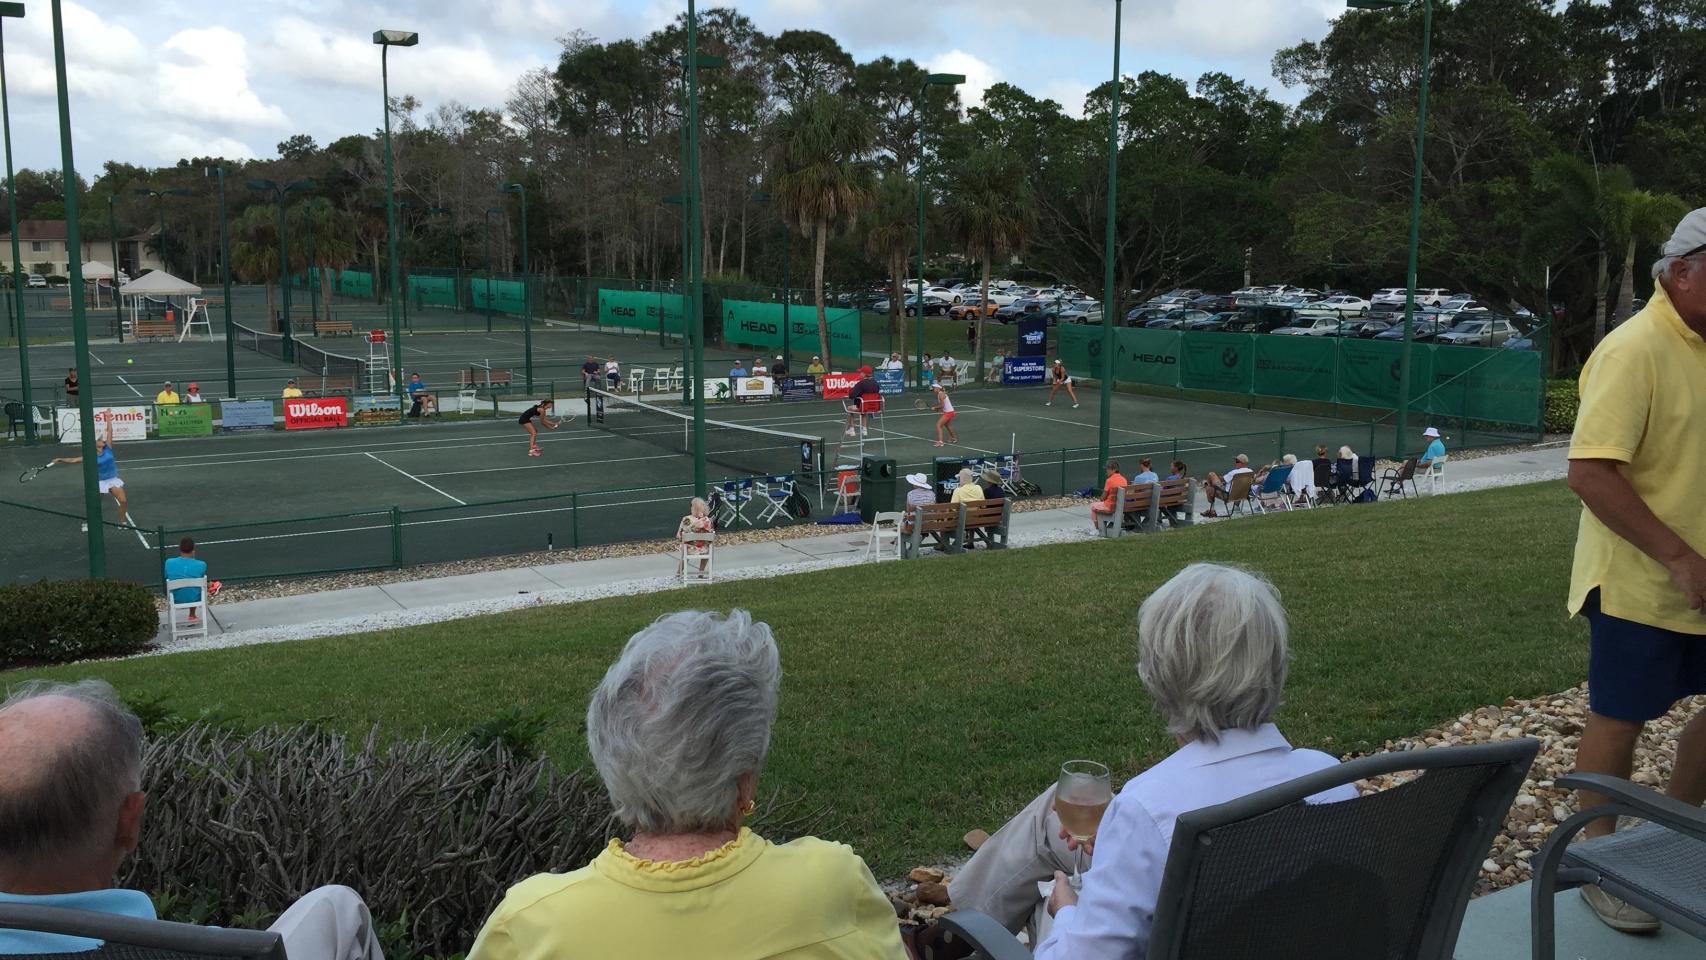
(1480, 332)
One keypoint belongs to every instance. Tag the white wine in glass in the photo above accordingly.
(1080, 799)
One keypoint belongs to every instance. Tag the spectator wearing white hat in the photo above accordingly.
(1435, 453)
(921, 494)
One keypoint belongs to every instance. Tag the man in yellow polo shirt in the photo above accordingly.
(1639, 577)
(166, 394)
(291, 389)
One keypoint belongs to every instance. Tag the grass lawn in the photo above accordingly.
(923, 699)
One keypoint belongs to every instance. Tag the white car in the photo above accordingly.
(35, 281)
(1392, 298)
(1084, 311)
(1343, 305)
(1314, 327)
(1487, 331)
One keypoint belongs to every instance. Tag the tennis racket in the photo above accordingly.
(920, 403)
(33, 472)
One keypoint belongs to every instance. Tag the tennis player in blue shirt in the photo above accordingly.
(106, 473)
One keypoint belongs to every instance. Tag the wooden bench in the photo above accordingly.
(323, 327)
(481, 377)
(1176, 502)
(938, 521)
(1135, 508)
(144, 329)
(985, 521)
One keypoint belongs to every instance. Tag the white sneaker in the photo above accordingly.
(849, 432)
(1048, 403)
(863, 433)
(1075, 406)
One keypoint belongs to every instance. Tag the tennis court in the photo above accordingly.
(279, 504)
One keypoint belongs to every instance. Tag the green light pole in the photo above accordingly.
(693, 310)
(386, 39)
(1403, 425)
(79, 318)
(8, 10)
(278, 191)
(1104, 426)
(225, 276)
(160, 212)
(488, 225)
(526, 287)
(933, 80)
(118, 302)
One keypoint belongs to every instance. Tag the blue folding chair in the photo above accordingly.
(775, 491)
(736, 495)
(1273, 492)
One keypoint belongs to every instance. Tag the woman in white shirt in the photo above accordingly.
(1212, 653)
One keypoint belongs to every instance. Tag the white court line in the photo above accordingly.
(132, 389)
(417, 480)
(136, 528)
(1092, 426)
(97, 359)
(544, 466)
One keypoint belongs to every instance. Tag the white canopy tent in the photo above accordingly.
(97, 271)
(158, 286)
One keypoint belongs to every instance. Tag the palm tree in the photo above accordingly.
(989, 209)
(254, 249)
(1644, 217)
(820, 180)
(889, 232)
(1583, 207)
(333, 249)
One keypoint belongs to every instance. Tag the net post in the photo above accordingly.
(396, 536)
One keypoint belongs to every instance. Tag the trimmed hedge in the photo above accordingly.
(1561, 403)
(58, 621)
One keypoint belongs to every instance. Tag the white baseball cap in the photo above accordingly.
(1430, 432)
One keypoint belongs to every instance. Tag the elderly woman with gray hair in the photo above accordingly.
(1212, 654)
(679, 730)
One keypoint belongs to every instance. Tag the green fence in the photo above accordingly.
(640, 310)
(759, 325)
(1468, 383)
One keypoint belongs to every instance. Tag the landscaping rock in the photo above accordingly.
(926, 875)
(932, 894)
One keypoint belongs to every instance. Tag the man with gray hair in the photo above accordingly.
(1639, 576)
(1212, 654)
(71, 808)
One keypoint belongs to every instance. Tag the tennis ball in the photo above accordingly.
(130, 360)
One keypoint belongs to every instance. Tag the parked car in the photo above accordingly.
(1286, 295)
(1215, 302)
(1367, 329)
(35, 281)
(1081, 311)
(933, 306)
(1140, 316)
(1178, 319)
(1489, 332)
(1338, 305)
(1394, 297)
(1523, 342)
(1420, 329)
(1262, 319)
(1308, 326)
(971, 308)
(1216, 322)
(1251, 296)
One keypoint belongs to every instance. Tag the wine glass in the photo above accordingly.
(1080, 799)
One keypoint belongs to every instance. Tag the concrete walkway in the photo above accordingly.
(390, 605)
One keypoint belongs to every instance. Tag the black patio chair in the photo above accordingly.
(1659, 866)
(1393, 480)
(1323, 480)
(132, 938)
(1270, 877)
(14, 418)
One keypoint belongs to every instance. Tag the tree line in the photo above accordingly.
(1562, 144)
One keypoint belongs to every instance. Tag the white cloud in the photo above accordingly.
(177, 144)
(979, 75)
(1068, 93)
(204, 76)
(434, 70)
(102, 58)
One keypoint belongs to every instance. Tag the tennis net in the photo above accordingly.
(751, 451)
(330, 372)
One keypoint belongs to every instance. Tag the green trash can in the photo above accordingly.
(877, 481)
(947, 476)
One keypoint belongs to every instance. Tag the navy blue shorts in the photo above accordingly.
(1638, 672)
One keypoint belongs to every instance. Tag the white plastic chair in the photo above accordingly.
(885, 530)
(774, 492)
(43, 416)
(1436, 470)
(847, 492)
(697, 549)
(467, 401)
(636, 379)
(178, 614)
(678, 379)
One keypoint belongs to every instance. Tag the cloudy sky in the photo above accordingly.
(153, 82)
